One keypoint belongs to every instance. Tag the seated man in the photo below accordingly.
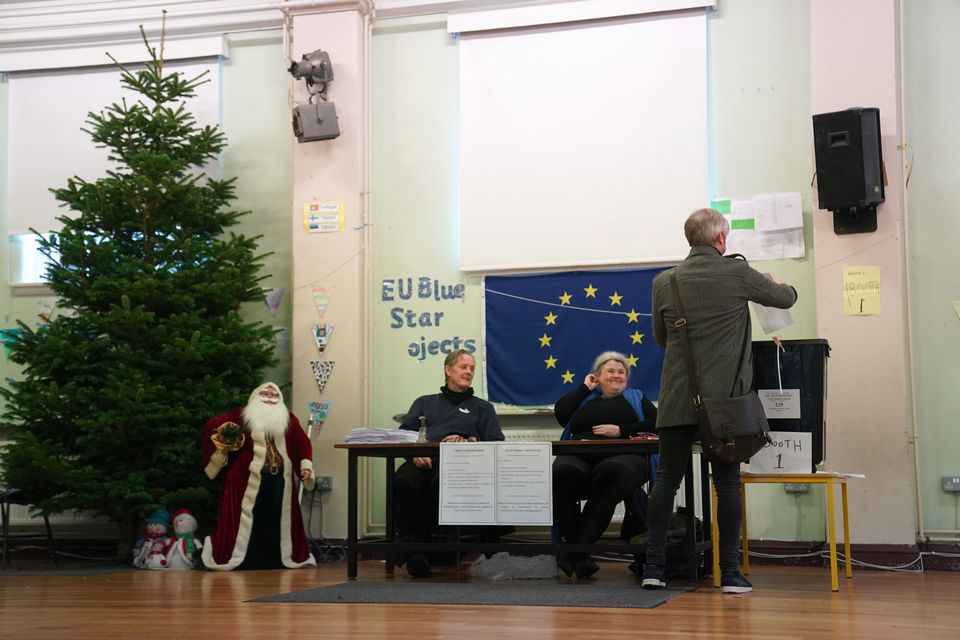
(453, 415)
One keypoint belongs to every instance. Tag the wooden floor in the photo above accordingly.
(788, 603)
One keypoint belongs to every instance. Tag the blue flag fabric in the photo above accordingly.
(544, 331)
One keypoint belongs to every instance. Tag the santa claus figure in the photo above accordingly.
(262, 450)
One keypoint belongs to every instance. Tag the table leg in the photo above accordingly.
(352, 498)
(743, 529)
(691, 521)
(846, 531)
(715, 538)
(391, 527)
(832, 536)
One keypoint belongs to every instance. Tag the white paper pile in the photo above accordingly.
(359, 436)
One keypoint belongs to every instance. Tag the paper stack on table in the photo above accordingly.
(362, 435)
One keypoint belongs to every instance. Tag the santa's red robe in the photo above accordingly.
(227, 547)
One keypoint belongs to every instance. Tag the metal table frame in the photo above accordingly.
(390, 452)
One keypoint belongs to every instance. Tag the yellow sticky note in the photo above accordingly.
(861, 291)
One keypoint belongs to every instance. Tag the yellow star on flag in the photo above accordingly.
(615, 299)
(545, 340)
(632, 360)
(637, 337)
(550, 318)
(591, 291)
(632, 316)
(565, 298)
(551, 362)
(567, 377)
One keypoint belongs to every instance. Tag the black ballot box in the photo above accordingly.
(802, 365)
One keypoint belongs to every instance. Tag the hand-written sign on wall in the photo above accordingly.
(790, 452)
(423, 289)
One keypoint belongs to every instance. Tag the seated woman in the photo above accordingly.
(453, 415)
(601, 407)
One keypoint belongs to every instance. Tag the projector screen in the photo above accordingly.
(582, 143)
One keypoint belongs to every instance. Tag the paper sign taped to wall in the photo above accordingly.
(323, 217)
(861, 291)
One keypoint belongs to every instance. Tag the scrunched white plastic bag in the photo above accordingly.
(503, 566)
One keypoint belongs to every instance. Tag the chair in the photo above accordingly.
(19, 497)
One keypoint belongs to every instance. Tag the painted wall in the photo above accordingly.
(256, 120)
(760, 139)
(933, 223)
(868, 384)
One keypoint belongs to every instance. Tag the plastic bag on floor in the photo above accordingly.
(503, 566)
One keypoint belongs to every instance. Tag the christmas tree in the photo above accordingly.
(148, 340)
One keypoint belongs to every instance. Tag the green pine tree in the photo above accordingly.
(148, 341)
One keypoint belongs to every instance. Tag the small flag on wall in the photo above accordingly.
(318, 413)
(321, 297)
(321, 371)
(273, 297)
(321, 335)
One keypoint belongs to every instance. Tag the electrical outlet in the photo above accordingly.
(325, 483)
(796, 487)
(951, 484)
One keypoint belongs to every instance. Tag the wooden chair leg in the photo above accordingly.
(51, 546)
(5, 528)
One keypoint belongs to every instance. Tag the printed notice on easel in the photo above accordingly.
(790, 452)
(503, 483)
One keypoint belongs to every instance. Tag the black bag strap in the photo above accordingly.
(681, 325)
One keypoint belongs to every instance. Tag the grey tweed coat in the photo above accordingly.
(715, 291)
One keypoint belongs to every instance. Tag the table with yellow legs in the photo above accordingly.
(829, 479)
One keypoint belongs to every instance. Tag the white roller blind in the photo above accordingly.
(582, 144)
(47, 146)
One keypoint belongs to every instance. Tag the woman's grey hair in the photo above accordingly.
(452, 358)
(606, 357)
(703, 226)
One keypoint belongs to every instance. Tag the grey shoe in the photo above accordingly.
(653, 577)
(734, 582)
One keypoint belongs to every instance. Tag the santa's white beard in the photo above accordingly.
(268, 419)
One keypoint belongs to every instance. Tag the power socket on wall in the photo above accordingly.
(951, 484)
(796, 487)
(325, 483)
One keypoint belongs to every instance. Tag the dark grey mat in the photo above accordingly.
(511, 592)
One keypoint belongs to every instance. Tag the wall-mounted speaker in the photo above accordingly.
(849, 167)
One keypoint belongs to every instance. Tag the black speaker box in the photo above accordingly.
(849, 167)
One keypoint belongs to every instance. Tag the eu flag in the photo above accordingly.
(544, 331)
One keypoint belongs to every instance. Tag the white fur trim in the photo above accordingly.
(246, 512)
(216, 463)
(310, 484)
(245, 526)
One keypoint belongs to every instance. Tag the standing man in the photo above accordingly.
(263, 451)
(714, 291)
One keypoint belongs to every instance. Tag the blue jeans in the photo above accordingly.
(675, 446)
